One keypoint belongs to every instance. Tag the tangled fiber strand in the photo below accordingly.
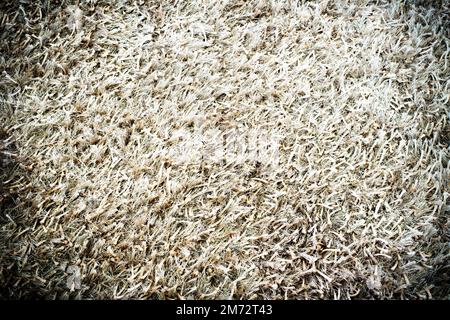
(95, 93)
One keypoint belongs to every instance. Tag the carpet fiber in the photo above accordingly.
(225, 149)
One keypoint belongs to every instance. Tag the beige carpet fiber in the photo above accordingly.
(224, 149)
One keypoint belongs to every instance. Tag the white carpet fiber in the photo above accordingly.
(225, 149)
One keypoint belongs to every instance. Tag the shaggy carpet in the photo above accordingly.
(224, 149)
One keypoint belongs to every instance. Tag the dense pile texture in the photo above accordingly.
(95, 93)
